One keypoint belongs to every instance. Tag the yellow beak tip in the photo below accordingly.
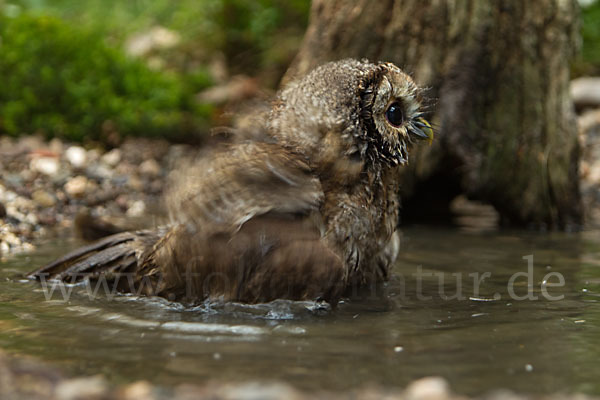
(428, 130)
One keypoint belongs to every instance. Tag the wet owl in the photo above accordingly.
(304, 212)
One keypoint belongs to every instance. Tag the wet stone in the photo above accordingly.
(430, 388)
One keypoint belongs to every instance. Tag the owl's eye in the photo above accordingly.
(394, 114)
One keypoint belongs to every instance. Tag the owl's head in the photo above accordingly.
(351, 109)
(391, 113)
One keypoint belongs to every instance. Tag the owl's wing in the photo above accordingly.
(247, 231)
(233, 184)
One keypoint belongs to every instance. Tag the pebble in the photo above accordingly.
(150, 168)
(589, 137)
(39, 181)
(137, 209)
(99, 171)
(430, 388)
(111, 158)
(43, 198)
(585, 91)
(82, 388)
(135, 183)
(26, 175)
(122, 202)
(56, 146)
(45, 165)
(76, 156)
(257, 390)
(93, 155)
(76, 187)
(138, 390)
(11, 239)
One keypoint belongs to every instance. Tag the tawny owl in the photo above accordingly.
(303, 213)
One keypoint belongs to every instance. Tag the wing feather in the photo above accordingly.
(231, 185)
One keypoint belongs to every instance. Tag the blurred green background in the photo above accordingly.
(96, 69)
(101, 70)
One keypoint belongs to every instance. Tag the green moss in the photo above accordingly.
(63, 71)
(66, 82)
(244, 30)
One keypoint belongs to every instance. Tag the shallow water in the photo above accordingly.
(406, 330)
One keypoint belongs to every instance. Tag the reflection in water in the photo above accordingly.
(448, 311)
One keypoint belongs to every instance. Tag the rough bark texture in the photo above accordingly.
(498, 77)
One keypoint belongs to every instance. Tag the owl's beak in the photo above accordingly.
(423, 129)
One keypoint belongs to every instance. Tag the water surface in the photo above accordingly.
(478, 339)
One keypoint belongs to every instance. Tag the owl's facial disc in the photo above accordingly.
(397, 116)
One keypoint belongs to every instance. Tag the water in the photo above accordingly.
(404, 331)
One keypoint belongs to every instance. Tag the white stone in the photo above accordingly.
(45, 165)
(77, 156)
(137, 209)
(429, 388)
(585, 91)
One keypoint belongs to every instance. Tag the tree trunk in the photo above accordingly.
(498, 77)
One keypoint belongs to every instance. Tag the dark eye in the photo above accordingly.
(394, 114)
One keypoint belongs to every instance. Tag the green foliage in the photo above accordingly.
(76, 82)
(246, 31)
(67, 82)
(591, 37)
(256, 27)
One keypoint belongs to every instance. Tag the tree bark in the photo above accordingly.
(497, 74)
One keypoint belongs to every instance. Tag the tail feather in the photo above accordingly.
(113, 254)
(120, 257)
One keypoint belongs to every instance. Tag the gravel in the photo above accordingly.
(44, 185)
